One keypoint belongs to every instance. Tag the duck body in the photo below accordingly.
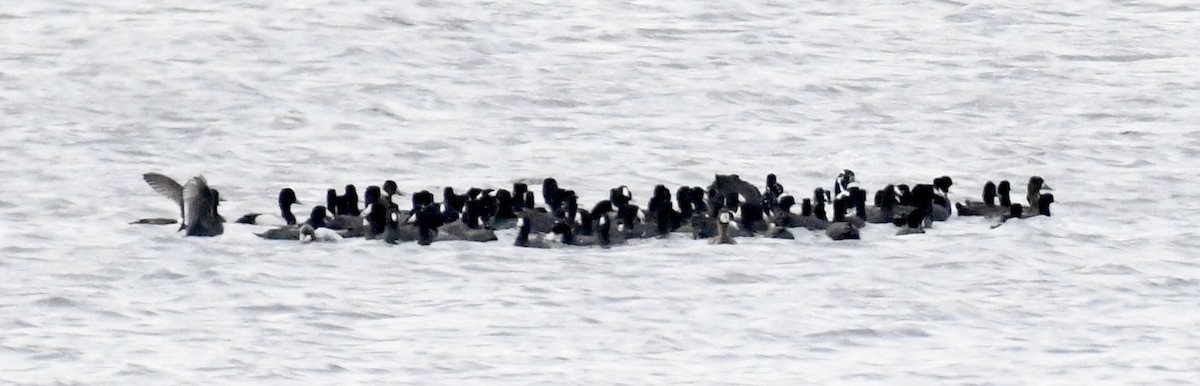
(839, 229)
(287, 197)
(980, 208)
(724, 236)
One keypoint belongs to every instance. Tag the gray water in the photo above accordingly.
(1097, 97)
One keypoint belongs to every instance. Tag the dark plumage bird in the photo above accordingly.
(504, 206)
(488, 205)
(921, 201)
(348, 203)
(682, 197)
(885, 206)
(604, 232)
(348, 218)
(399, 227)
(805, 219)
(666, 220)
(1003, 191)
(390, 189)
(453, 205)
(620, 196)
(524, 240)
(839, 229)
(903, 196)
(586, 224)
(931, 201)
(540, 221)
(529, 200)
(731, 202)
(569, 210)
(518, 194)
(428, 220)
(371, 196)
(778, 230)
(751, 220)
(421, 199)
(376, 217)
(858, 198)
(550, 192)
(603, 207)
(471, 228)
(771, 193)
(941, 198)
(820, 197)
(810, 217)
(419, 225)
(1044, 202)
(567, 236)
(1014, 211)
(287, 197)
(981, 208)
(201, 202)
(631, 225)
(474, 193)
(699, 204)
(332, 201)
(662, 212)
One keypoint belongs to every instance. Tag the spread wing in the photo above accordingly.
(168, 188)
(165, 186)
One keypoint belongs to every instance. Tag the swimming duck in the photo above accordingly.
(981, 208)
(287, 197)
(810, 217)
(471, 228)
(1003, 191)
(724, 218)
(523, 239)
(604, 232)
(778, 229)
(348, 203)
(804, 219)
(858, 198)
(941, 198)
(885, 204)
(839, 229)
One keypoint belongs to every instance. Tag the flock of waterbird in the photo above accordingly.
(730, 207)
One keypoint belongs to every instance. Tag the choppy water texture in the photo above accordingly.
(1100, 98)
